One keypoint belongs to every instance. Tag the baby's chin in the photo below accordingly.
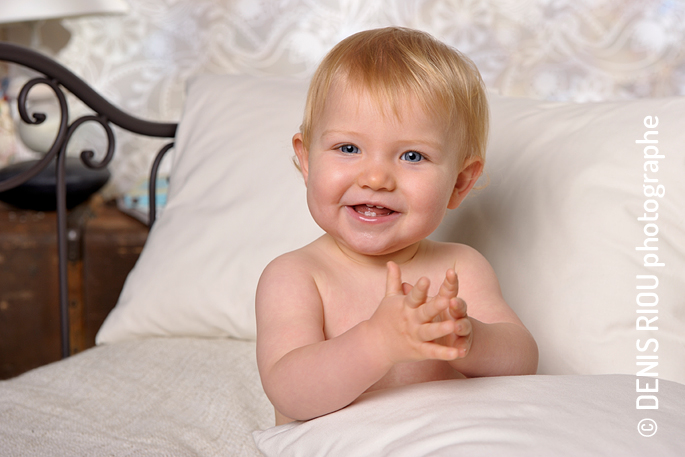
(373, 253)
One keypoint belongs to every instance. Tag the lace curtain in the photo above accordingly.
(568, 50)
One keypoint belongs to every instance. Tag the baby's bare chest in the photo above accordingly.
(345, 308)
(346, 305)
(353, 297)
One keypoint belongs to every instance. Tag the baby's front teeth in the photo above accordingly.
(371, 213)
(372, 210)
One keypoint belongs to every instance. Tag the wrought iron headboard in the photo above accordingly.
(58, 77)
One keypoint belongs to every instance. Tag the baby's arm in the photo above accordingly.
(490, 338)
(303, 374)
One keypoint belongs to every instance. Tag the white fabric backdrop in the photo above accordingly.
(581, 50)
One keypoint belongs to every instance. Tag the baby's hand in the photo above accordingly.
(455, 311)
(407, 322)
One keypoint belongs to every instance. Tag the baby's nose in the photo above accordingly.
(377, 175)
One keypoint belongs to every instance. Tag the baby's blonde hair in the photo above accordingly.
(395, 63)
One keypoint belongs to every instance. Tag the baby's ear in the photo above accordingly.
(302, 155)
(469, 174)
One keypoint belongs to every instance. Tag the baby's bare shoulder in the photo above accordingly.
(457, 255)
(292, 277)
(300, 263)
(478, 283)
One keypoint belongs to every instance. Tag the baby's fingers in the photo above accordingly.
(406, 288)
(434, 330)
(463, 345)
(462, 327)
(450, 286)
(457, 308)
(433, 308)
(436, 351)
(418, 294)
(393, 282)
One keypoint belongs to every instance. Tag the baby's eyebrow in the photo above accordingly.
(419, 144)
(330, 132)
(408, 142)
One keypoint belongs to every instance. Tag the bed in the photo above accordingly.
(581, 212)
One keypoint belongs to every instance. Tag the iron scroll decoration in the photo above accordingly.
(57, 78)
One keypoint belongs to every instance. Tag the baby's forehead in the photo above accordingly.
(388, 101)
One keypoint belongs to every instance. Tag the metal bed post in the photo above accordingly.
(58, 77)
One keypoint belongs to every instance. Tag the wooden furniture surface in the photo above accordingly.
(104, 244)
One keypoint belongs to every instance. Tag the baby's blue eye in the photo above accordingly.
(349, 149)
(412, 156)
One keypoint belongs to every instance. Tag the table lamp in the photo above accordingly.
(39, 192)
(35, 11)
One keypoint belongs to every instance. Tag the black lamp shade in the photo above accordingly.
(40, 192)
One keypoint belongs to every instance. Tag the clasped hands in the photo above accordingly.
(417, 327)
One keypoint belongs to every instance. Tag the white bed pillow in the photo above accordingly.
(549, 416)
(235, 202)
(557, 221)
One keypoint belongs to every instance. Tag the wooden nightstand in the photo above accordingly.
(104, 244)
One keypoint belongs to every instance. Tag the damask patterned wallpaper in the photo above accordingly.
(570, 50)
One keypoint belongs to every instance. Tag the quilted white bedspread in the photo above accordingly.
(160, 396)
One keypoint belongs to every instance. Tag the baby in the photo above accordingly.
(394, 134)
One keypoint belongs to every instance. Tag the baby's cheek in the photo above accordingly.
(434, 214)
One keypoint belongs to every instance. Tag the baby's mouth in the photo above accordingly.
(372, 210)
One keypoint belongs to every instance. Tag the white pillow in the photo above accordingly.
(235, 202)
(558, 222)
(492, 417)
